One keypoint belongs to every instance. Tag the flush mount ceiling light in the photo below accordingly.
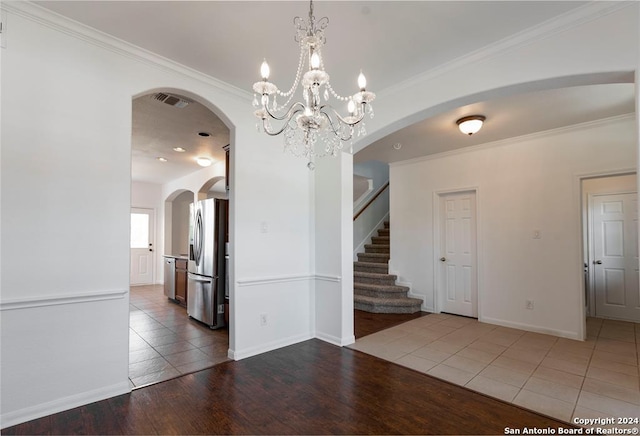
(179, 149)
(204, 161)
(397, 146)
(471, 124)
(162, 159)
(311, 128)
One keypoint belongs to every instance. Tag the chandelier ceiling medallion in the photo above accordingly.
(312, 128)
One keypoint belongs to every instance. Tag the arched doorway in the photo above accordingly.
(167, 140)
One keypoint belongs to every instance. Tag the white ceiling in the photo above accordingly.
(159, 127)
(391, 41)
(508, 117)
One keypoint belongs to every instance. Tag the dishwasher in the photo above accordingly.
(170, 278)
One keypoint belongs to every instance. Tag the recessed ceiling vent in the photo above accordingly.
(171, 100)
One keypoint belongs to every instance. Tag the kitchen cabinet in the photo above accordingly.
(181, 282)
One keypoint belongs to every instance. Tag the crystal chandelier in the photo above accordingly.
(312, 128)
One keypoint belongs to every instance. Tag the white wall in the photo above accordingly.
(180, 223)
(367, 223)
(375, 170)
(524, 184)
(372, 218)
(333, 179)
(72, 148)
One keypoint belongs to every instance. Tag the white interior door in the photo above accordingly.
(142, 246)
(457, 277)
(615, 256)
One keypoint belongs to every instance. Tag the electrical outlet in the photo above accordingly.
(529, 304)
(263, 319)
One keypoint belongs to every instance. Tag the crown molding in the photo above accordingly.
(105, 41)
(517, 139)
(574, 18)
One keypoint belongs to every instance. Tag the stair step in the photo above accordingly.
(374, 257)
(383, 232)
(371, 278)
(379, 268)
(385, 240)
(380, 291)
(377, 248)
(386, 224)
(383, 305)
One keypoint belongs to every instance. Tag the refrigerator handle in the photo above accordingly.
(196, 278)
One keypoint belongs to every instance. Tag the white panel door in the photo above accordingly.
(457, 278)
(142, 248)
(615, 251)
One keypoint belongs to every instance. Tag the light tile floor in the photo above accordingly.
(164, 343)
(562, 378)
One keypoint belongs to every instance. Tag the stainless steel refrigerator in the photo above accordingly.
(206, 278)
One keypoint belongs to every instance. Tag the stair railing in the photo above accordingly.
(371, 200)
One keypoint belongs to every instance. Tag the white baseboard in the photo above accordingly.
(334, 340)
(270, 346)
(531, 328)
(45, 409)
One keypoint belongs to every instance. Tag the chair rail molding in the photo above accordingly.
(86, 297)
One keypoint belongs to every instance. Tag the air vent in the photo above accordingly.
(171, 100)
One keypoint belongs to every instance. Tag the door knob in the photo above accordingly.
(597, 262)
(443, 259)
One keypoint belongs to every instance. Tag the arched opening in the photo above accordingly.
(575, 110)
(172, 130)
(176, 222)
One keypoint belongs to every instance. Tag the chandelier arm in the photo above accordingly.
(265, 127)
(292, 111)
(333, 127)
(352, 123)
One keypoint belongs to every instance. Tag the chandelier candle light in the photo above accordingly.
(311, 128)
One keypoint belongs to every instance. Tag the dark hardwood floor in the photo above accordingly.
(365, 323)
(308, 388)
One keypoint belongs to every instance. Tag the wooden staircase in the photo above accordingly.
(374, 289)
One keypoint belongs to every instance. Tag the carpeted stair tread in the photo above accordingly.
(392, 305)
(374, 289)
(382, 279)
(374, 257)
(380, 292)
(385, 240)
(390, 301)
(377, 248)
(396, 288)
(374, 275)
(380, 268)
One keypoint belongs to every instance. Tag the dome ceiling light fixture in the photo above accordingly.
(162, 159)
(312, 128)
(204, 161)
(471, 124)
(179, 149)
